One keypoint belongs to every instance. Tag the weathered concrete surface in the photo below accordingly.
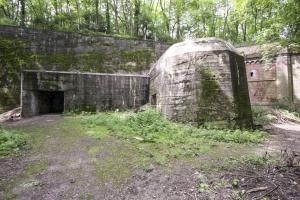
(42, 90)
(295, 60)
(200, 81)
(66, 51)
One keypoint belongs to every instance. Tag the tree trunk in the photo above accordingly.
(107, 18)
(137, 12)
(97, 12)
(116, 16)
(22, 13)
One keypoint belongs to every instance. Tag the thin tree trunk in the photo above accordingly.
(97, 11)
(107, 18)
(22, 13)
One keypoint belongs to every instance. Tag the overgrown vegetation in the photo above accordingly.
(150, 126)
(263, 116)
(288, 105)
(281, 110)
(10, 141)
(162, 139)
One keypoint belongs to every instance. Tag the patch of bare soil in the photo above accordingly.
(67, 166)
(46, 120)
(271, 182)
(278, 180)
(181, 182)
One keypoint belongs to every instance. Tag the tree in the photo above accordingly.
(239, 21)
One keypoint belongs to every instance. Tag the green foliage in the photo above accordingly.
(256, 160)
(286, 104)
(152, 127)
(203, 187)
(10, 141)
(263, 116)
(240, 21)
(160, 139)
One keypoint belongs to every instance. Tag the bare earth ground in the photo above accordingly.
(283, 136)
(62, 164)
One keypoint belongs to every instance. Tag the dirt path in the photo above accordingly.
(283, 136)
(63, 163)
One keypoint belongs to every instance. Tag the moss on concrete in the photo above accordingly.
(16, 55)
(213, 104)
(136, 60)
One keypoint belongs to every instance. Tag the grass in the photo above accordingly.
(160, 139)
(113, 145)
(10, 141)
(150, 127)
(264, 116)
(36, 168)
(247, 160)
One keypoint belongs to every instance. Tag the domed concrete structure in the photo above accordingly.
(200, 81)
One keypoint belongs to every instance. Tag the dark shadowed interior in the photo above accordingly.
(51, 102)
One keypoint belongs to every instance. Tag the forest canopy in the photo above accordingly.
(238, 21)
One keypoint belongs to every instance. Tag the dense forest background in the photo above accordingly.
(238, 21)
(241, 22)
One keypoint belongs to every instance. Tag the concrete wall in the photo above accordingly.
(295, 61)
(84, 91)
(64, 51)
(201, 81)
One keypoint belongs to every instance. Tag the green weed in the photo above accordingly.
(262, 116)
(150, 127)
(160, 139)
(247, 160)
(10, 141)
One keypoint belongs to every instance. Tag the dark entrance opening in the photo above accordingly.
(153, 99)
(51, 102)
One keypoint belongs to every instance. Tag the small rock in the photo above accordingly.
(138, 138)
(295, 183)
(72, 180)
(150, 168)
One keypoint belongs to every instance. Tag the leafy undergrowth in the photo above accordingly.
(10, 141)
(163, 139)
(264, 116)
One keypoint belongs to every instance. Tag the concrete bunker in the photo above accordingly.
(202, 81)
(57, 91)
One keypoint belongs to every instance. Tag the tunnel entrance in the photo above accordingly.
(51, 102)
